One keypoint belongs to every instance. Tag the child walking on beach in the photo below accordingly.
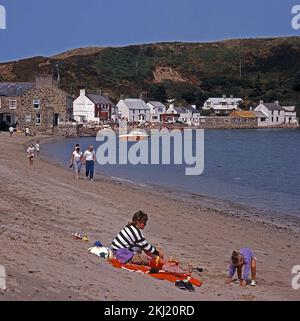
(37, 149)
(30, 154)
(243, 258)
(130, 243)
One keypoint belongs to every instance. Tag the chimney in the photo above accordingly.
(82, 92)
(224, 96)
(45, 81)
(231, 96)
(194, 106)
(251, 108)
(99, 92)
(276, 102)
(261, 102)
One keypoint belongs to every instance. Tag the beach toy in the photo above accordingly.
(98, 243)
(78, 236)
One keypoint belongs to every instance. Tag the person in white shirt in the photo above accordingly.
(11, 131)
(27, 131)
(37, 148)
(90, 158)
(77, 161)
(30, 154)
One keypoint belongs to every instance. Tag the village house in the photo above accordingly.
(269, 114)
(134, 110)
(10, 100)
(39, 106)
(290, 115)
(157, 109)
(180, 114)
(222, 106)
(94, 107)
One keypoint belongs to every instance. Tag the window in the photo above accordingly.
(36, 104)
(28, 118)
(160, 110)
(12, 104)
(38, 119)
(263, 119)
(277, 119)
(0, 102)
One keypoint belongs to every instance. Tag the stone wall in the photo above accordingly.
(52, 109)
(226, 122)
(67, 130)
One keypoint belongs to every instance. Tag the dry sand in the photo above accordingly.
(41, 207)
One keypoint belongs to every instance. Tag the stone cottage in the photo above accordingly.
(39, 105)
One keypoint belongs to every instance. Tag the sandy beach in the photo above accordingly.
(41, 207)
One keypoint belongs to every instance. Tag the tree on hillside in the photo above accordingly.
(158, 92)
(257, 90)
(296, 82)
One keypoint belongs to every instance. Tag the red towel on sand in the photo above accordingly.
(162, 275)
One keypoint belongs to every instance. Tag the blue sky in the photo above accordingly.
(47, 27)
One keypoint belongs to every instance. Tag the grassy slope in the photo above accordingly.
(269, 69)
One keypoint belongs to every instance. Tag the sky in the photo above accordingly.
(48, 27)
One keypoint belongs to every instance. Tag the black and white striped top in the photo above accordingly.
(131, 236)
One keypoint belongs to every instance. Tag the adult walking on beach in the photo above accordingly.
(89, 159)
(239, 259)
(30, 154)
(77, 161)
(11, 131)
(27, 132)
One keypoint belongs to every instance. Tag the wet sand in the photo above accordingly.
(41, 207)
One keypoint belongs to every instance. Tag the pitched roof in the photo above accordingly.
(157, 104)
(13, 89)
(132, 103)
(216, 100)
(289, 108)
(273, 106)
(260, 114)
(98, 99)
(243, 114)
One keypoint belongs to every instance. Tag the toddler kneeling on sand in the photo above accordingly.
(243, 258)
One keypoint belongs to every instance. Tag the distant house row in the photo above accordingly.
(42, 105)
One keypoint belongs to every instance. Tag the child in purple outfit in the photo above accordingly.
(243, 257)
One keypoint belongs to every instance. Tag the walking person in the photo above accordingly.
(77, 161)
(30, 154)
(27, 132)
(37, 149)
(89, 159)
(11, 131)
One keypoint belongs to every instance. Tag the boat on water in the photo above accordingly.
(134, 136)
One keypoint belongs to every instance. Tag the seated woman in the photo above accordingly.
(130, 243)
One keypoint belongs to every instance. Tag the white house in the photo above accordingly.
(182, 114)
(134, 110)
(157, 109)
(290, 115)
(222, 105)
(94, 108)
(271, 114)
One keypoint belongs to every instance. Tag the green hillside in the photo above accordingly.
(254, 69)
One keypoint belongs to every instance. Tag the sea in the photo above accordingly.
(255, 167)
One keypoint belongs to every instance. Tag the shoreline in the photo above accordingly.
(239, 210)
(45, 204)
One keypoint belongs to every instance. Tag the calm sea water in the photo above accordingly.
(260, 168)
